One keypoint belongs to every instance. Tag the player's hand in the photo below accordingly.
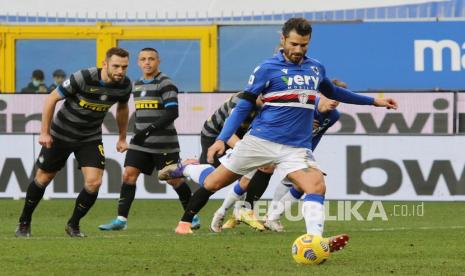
(316, 124)
(122, 145)
(339, 83)
(45, 140)
(216, 149)
(142, 135)
(389, 103)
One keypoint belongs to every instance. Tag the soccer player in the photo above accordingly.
(325, 116)
(77, 128)
(155, 143)
(282, 133)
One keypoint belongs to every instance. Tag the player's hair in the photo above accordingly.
(299, 24)
(149, 49)
(116, 51)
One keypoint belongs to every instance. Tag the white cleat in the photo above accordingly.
(217, 222)
(274, 225)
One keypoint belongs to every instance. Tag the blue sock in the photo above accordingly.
(238, 190)
(204, 174)
(315, 198)
(296, 194)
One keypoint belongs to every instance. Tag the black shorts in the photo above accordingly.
(87, 154)
(206, 142)
(146, 162)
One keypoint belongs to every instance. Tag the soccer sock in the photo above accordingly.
(277, 208)
(281, 190)
(234, 194)
(84, 202)
(34, 194)
(313, 211)
(198, 173)
(198, 200)
(184, 194)
(257, 186)
(126, 197)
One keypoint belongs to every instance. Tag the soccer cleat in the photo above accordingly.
(183, 228)
(337, 242)
(231, 223)
(23, 230)
(217, 221)
(115, 224)
(274, 225)
(174, 171)
(74, 231)
(248, 217)
(195, 222)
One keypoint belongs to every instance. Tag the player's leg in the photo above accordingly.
(258, 184)
(235, 193)
(215, 180)
(285, 195)
(311, 181)
(49, 162)
(91, 159)
(300, 167)
(248, 155)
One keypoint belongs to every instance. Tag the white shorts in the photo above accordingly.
(252, 152)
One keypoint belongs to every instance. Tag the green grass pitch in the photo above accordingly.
(431, 244)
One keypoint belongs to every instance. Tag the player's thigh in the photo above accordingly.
(52, 159)
(249, 154)
(293, 159)
(90, 154)
(309, 180)
(219, 178)
(142, 161)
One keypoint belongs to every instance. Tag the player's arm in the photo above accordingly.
(122, 118)
(346, 96)
(233, 140)
(45, 139)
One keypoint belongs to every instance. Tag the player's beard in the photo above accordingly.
(294, 58)
(113, 77)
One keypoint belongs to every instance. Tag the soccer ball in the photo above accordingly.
(310, 249)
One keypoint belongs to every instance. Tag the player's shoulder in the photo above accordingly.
(315, 65)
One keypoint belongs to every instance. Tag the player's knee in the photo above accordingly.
(130, 175)
(44, 178)
(175, 182)
(93, 184)
(212, 186)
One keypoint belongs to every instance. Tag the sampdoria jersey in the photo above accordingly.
(151, 97)
(213, 125)
(87, 101)
(289, 91)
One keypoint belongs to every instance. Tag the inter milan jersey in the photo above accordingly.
(289, 92)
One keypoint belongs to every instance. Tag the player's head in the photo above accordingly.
(148, 61)
(116, 63)
(295, 36)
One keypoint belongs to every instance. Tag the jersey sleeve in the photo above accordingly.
(257, 81)
(71, 85)
(169, 93)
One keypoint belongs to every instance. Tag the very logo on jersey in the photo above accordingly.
(301, 82)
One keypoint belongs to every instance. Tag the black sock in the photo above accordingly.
(257, 186)
(184, 193)
(126, 197)
(34, 194)
(84, 202)
(198, 200)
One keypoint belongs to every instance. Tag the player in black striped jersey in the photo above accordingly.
(155, 143)
(77, 128)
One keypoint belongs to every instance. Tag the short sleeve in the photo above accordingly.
(72, 85)
(257, 81)
(169, 93)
